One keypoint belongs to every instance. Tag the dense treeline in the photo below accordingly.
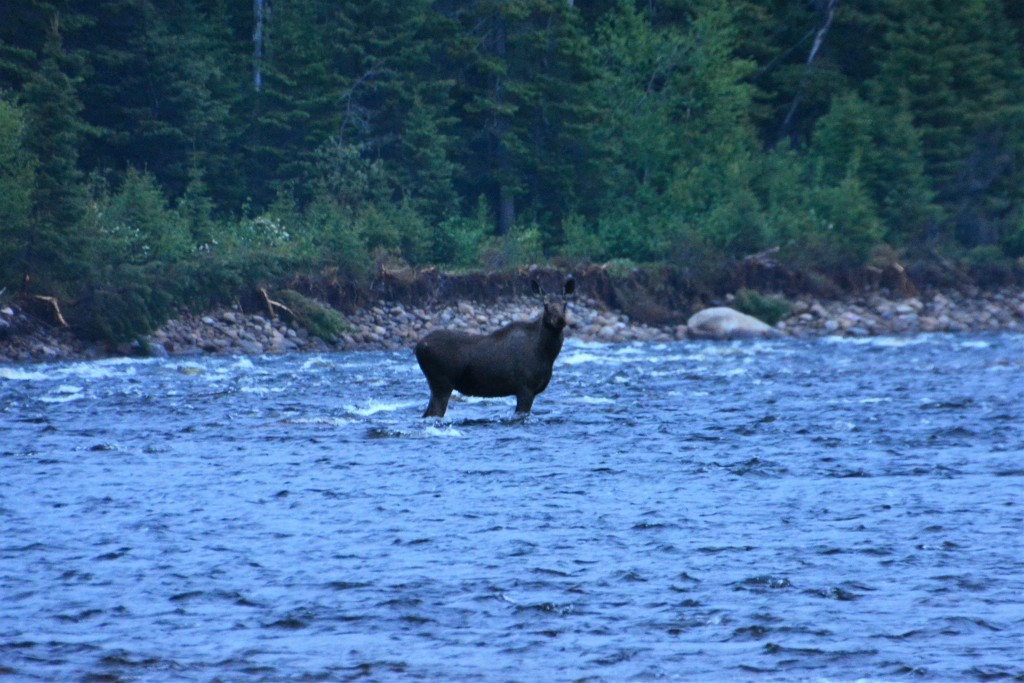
(162, 154)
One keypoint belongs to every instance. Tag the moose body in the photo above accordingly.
(515, 360)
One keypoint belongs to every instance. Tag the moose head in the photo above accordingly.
(515, 360)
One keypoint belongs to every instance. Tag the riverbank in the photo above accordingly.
(394, 325)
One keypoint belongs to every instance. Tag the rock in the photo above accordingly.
(722, 322)
(250, 348)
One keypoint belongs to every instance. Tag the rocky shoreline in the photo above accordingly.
(392, 325)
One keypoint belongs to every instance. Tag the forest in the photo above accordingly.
(156, 156)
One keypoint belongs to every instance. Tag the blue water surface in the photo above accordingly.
(821, 510)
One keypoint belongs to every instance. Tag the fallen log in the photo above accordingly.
(275, 308)
(46, 308)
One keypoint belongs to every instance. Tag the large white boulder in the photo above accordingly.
(722, 322)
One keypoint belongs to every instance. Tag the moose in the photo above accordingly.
(515, 360)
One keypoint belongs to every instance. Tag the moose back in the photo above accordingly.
(515, 360)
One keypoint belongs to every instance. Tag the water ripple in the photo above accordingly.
(783, 510)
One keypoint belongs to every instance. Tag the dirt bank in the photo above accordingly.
(399, 306)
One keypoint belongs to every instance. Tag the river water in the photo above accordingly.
(787, 510)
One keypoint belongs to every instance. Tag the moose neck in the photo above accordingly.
(549, 340)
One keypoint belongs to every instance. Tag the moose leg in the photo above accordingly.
(438, 403)
(524, 401)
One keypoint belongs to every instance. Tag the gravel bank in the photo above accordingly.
(389, 325)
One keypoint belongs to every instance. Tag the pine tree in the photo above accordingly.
(296, 106)
(157, 94)
(878, 145)
(959, 67)
(17, 176)
(395, 98)
(523, 104)
(53, 132)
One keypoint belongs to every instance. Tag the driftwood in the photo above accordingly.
(275, 308)
(47, 308)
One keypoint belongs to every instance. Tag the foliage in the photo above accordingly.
(17, 171)
(320, 320)
(458, 241)
(227, 148)
(1013, 242)
(520, 246)
(768, 309)
(990, 265)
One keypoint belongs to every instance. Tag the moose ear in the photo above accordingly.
(536, 286)
(570, 285)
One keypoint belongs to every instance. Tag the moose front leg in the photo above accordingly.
(524, 401)
(438, 403)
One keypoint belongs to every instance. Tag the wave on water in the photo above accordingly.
(373, 407)
(838, 510)
(22, 375)
(63, 394)
(443, 431)
(580, 357)
(85, 370)
(881, 341)
(594, 400)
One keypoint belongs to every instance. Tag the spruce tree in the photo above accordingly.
(17, 176)
(522, 104)
(959, 67)
(158, 91)
(53, 132)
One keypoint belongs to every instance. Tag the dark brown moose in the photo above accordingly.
(513, 361)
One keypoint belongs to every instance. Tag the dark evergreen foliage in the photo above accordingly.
(229, 143)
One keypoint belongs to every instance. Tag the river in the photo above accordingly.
(825, 510)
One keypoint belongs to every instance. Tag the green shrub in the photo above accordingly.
(17, 171)
(620, 268)
(394, 229)
(1013, 241)
(989, 265)
(768, 309)
(320, 320)
(581, 243)
(334, 239)
(522, 246)
(459, 240)
(121, 303)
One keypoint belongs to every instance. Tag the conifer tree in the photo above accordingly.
(523, 104)
(17, 177)
(959, 67)
(394, 98)
(53, 133)
(158, 92)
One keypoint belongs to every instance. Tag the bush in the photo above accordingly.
(768, 309)
(138, 224)
(520, 247)
(1013, 241)
(397, 230)
(988, 265)
(321, 321)
(459, 240)
(121, 304)
(334, 239)
(17, 170)
(581, 243)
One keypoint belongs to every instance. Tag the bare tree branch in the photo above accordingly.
(819, 40)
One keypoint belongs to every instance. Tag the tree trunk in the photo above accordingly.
(506, 210)
(261, 14)
(819, 39)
